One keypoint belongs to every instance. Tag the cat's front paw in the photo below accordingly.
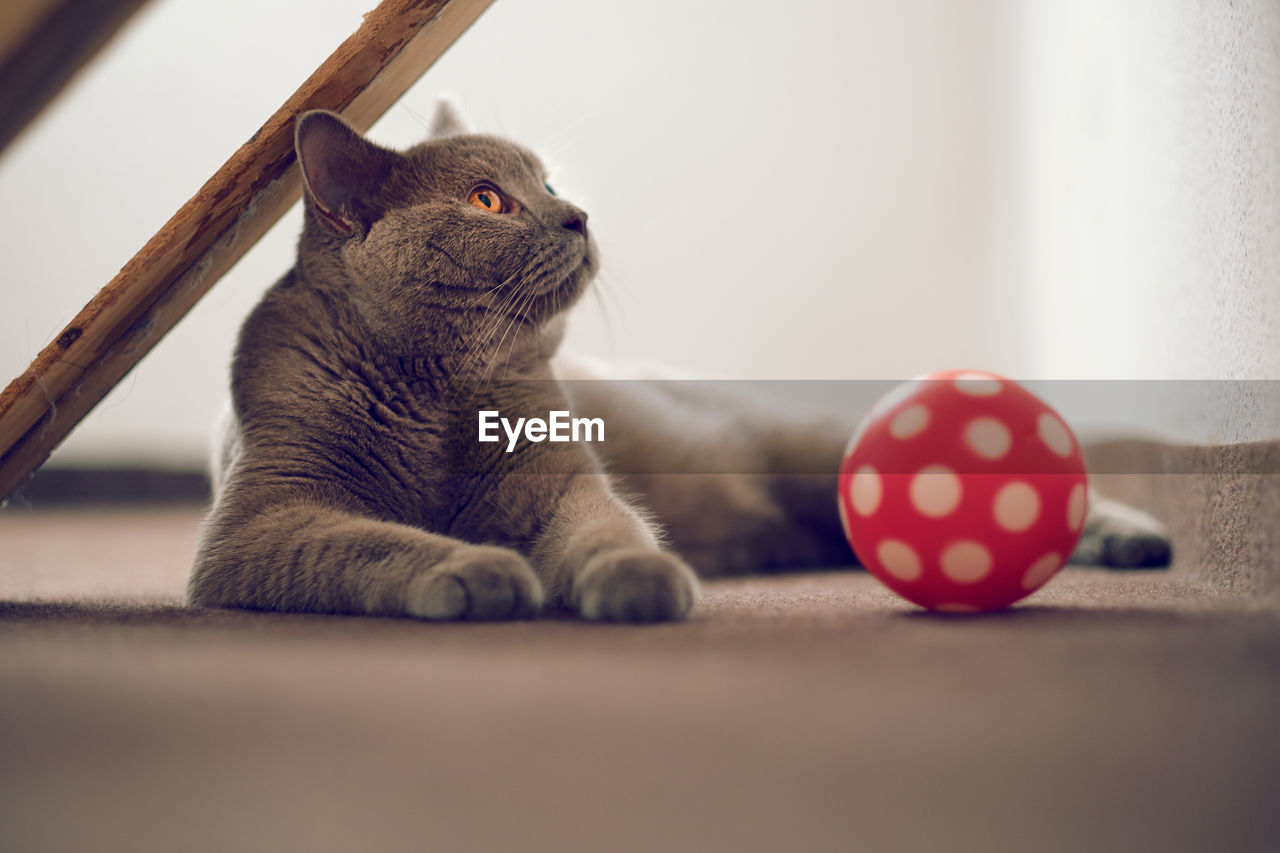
(480, 582)
(1121, 537)
(635, 585)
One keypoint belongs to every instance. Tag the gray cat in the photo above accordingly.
(431, 285)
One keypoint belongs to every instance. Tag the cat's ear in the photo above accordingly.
(448, 120)
(341, 170)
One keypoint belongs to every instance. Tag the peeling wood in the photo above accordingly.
(397, 42)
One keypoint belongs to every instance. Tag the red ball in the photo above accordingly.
(963, 492)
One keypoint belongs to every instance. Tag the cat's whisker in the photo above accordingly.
(497, 286)
(556, 144)
(494, 317)
(604, 313)
(604, 280)
(477, 345)
(516, 317)
(479, 340)
(537, 327)
(605, 292)
(418, 117)
(503, 308)
(466, 341)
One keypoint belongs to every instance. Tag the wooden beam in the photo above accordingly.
(397, 42)
(43, 43)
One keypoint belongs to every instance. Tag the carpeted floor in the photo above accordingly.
(816, 712)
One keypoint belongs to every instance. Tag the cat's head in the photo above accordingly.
(449, 235)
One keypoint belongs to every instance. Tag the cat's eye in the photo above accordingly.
(548, 188)
(487, 198)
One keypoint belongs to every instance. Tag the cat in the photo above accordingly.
(432, 284)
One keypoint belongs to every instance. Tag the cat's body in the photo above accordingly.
(431, 285)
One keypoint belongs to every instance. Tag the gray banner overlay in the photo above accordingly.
(776, 427)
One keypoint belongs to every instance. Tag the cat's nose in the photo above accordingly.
(576, 221)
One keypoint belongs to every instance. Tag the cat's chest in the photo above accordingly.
(388, 442)
(405, 449)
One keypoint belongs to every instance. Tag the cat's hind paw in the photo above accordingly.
(635, 585)
(1120, 537)
(480, 582)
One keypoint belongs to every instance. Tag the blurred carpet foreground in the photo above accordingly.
(1110, 711)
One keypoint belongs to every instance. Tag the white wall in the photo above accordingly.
(815, 190)
(798, 193)
(1151, 203)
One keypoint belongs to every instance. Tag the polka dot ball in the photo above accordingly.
(963, 492)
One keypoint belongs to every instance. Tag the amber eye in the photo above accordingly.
(487, 198)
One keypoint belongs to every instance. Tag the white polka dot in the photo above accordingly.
(1041, 570)
(966, 562)
(1054, 434)
(1076, 505)
(909, 422)
(866, 490)
(1017, 506)
(988, 437)
(935, 491)
(956, 607)
(899, 560)
(977, 384)
(844, 518)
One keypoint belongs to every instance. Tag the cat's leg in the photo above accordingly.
(314, 558)
(734, 524)
(736, 488)
(600, 557)
(1119, 536)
